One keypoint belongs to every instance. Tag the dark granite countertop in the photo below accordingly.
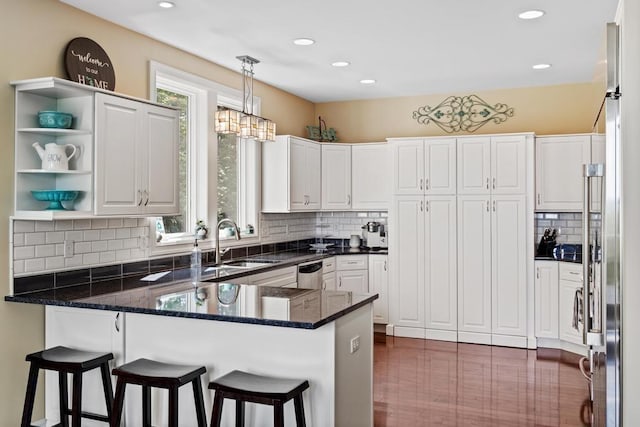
(577, 260)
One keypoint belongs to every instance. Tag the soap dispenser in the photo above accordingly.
(196, 264)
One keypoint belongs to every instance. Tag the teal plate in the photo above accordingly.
(54, 197)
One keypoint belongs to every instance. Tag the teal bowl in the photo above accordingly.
(54, 197)
(54, 119)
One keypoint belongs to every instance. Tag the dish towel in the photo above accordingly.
(577, 309)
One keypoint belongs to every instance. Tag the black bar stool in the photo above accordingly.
(149, 373)
(65, 361)
(245, 387)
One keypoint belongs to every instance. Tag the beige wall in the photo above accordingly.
(543, 110)
(34, 34)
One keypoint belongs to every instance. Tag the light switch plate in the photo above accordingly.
(355, 344)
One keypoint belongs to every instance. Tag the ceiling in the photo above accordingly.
(410, 47)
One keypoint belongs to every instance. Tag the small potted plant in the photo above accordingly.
(201, 230)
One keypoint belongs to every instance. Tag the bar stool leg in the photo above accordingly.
(239, 413)
(299, 407)
(199, 400)
(118, 403)
(107, 387)
(76, 407)
(146, 406)
(63, 397)
(30, 396)
(216, 414)
(173, 406)
(278, 414)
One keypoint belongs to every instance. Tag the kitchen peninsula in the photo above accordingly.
(323, 336)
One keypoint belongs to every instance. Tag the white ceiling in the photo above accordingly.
(411, 47)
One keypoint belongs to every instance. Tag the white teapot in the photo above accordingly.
(54, 157)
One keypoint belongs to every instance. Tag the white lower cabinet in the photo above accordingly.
(546, 299)
(492, 270)
(352, 274)
(570, 281)
(329, 274)
(379, 284)
(422, 294)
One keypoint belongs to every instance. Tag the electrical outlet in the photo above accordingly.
(355, 344)
(68, 248)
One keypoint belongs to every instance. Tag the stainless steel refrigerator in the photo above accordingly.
(601, 258)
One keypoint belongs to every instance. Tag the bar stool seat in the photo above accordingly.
(151, 373)
(246, 387)
(65, 361)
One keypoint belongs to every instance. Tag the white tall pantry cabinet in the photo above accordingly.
(461, 239)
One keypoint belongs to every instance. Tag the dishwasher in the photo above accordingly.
(310, 275)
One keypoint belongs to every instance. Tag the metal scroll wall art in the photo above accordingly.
(463, 113)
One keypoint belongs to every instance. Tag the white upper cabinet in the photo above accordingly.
(371, 179)
(336, 177)
(291, 175)
(559, 171)
(424, 166)
(136, 158)
(493, 165)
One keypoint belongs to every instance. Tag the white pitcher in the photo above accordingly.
(54, 157)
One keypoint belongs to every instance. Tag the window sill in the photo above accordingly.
(184, 244)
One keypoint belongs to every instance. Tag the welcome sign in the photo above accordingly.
(87, 63)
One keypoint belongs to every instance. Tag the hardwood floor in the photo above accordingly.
(434, 383)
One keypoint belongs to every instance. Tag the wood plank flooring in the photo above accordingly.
(434, 383)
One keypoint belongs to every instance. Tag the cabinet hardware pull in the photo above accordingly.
(487, 183)
(140, 195)
(421, 206)
(494, 205)
(487, 206)
(340, 282)
(494, 183)
(426, 183)
(146, 194)
(538, 199)
(116, 322)
(537, 273)
(348, 199)
(575, 273)
(385, 266)
(420, 183)
(426, 206)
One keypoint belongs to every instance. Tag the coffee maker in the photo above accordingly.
(374, 235)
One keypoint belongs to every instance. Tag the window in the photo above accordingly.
(219, 174)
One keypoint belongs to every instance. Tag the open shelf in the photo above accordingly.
(43, 171)
(55, 132)
(51, 215)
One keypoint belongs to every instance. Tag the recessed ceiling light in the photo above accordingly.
(541, 66)
(367, 81)
(531, 14)
(341, 63)
(304, 42)
(166, 4)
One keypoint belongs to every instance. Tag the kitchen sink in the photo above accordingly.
(246, 264)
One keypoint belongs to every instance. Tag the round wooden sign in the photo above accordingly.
(87, 63)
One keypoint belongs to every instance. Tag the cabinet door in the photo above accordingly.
(474, 264)
(329, 281)
(336, 176)
(407, 296)
(474, 165)
(509, 265)
(378, 284)
(508, 167)
(566, 303)
(312, 175)
(559, 181)
(440, 164)
(546, 299)
(353, 280)
(117, 175)
(160, 164)
(408, 166)
(297, 175)
(597, 156)
(440, 263)
(371, 179)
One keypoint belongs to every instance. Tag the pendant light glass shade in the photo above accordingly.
(245, 124)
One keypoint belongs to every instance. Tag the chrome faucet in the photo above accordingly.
(219, 252)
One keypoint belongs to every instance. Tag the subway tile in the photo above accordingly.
(108, 234)
(74, 261)
(82, 224)
(44, 226)
(106, 272)
(31, 239)
(135, 281)
(99, 246)
(123, 255)
(143, 222)
(48, 294)
(20, 226)
(34, 265)
(160, 264)
(114, 245)
(73, 292)
(18, 267)
(75, 236)
(63, 225)
(54, 237)
(238, 252)
(115, 222)
(59, 249)
(123, 233)
(54, 263)
(32, 283)
(138, 254)
(97, 224)
(130, 243)
(254, 250)
(181, 261)
(18, 239)
(82, 247)
(137, 232)
(106, 257)
(268, 248)
(72, 277)
(135, 268)
(91, 235)
(91, 258)
(23, 252)
(43, 251)
(130, 222)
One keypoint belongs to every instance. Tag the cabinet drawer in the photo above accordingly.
(352, 262)
(328, 265)
(571, 272)
(279, 277)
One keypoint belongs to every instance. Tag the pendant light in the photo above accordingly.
(245, 124)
